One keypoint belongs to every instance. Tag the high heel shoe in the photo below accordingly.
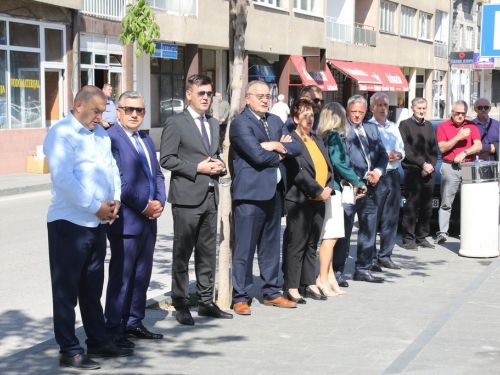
(300, 301)
(312, 294)
(326, 289)
(336, 288)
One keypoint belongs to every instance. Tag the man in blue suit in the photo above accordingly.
(259, 142)
(368, 158)
(132, 238)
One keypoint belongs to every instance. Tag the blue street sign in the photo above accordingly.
(166, 51)
(490, 31)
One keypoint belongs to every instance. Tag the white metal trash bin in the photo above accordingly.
(479, 216)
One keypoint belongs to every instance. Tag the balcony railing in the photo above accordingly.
(183, 7)
(364, 34)
(338, 30)
(440, 49)
(109, 9)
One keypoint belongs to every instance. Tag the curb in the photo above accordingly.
(25, 189)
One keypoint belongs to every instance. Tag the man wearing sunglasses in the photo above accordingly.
(315, 95)
(459, 140)
(488, 128)
(190, 150)
(132, 238)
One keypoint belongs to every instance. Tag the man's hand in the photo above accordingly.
(361, 192)
(116, 207)
(463, 133)
(216, 165)
(492, 148)
(286, 138)
(459, 158)
(205, 166)
(273, 146)
(108, 211)
(373, 178)
(393, 156)
(104, 124)
(484, 155)
(222, 120)
(154, 210)
(326, 194)
(427, 169)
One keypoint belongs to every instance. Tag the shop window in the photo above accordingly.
(18, 33)
(208, 63)
(25, 89)
(54, 45)
(388, 16)
(3, 90)
(3, 33)
(420, 86)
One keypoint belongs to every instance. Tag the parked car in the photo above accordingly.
(436, 197)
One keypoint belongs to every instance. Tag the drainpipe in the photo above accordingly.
(450, 44)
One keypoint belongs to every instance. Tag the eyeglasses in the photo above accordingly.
(357, 112)
(203, 93)
(483, 107)
(261, 96)
(318, 100)
(129, 110)
(459, 113)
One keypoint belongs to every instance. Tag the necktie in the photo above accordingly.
(366, 147)
(145, 164)
(204, 134)
(266, 127)
(207, 143)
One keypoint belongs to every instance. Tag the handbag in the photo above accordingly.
(348, 196)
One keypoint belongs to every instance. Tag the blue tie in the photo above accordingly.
(145, 164)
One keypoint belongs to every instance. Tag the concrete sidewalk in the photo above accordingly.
(22, 183)
(438, 315)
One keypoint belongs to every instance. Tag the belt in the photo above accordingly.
(391, 171)
(449, 162)
(211, 189)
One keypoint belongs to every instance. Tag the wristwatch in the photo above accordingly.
(465, 151)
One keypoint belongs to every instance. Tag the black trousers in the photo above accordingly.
(418, 194)
(304, 223)
(76, 256)
(194, 227)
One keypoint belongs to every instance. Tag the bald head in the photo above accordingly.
(90, 103)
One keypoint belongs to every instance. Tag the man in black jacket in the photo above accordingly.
(418, 165)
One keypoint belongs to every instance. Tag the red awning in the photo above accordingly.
(323, 79)
(373, 77)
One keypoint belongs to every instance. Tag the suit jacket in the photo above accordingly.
(134, 182)
(255, 169)
(302, 174)
(378, 154)
(182, 148)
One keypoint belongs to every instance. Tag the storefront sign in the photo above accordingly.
(166, 51)
(461, 57)
(483, 62)
(26, 83)
(2, 89)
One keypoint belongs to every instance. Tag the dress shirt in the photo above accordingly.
(358, 129)
(130, 135)
(391, 138)
(492, 135)
(109, 115)
(196, 118)
(278, 176)
(83, 172)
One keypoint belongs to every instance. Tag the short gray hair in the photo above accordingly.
(356, 99)
(252, 83)
(378, 95)
(416, 101)
(281, 97)
(130, 95)
(461, 102)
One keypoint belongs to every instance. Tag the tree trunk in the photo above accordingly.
(237, 27)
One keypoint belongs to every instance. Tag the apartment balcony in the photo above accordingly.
(338, 30)
(440, 49)
(365, 35)
(109, 9)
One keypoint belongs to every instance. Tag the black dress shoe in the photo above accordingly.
(121, 340)
(300, 301)
(410, 246)
(183, 316)
(375, 267)
(213, 311)
(79, 361)
(367, 276)
(109, 351)
(341, 280)
(312, 294)
(142, 332)
(390, 264)
(426, 244)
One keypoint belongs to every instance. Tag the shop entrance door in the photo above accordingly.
(53, 96)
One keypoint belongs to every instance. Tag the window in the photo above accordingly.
(441, 27)
(468, 37)
(18, 32)
(478, 37)
(461, 36)
(54, 45)
(271, 3)
(424, 27)
(387, 16)
(3, 33)
(189, 7)
(309, 6)
(420, 86)
(408, 21)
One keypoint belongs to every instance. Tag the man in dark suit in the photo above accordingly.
(133, 237)
(368, 158)
(259, 142)
(190, 150)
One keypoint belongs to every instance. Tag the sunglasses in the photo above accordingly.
(317, 101)
(129, 110)
(203, 93)
(483, 107)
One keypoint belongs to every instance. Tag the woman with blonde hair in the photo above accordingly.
(332, 128)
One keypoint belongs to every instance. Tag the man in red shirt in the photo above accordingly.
(459, 140)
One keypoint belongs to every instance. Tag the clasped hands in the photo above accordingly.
(153, 210)
(277, 146)
(210, 166)
(108, 211)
